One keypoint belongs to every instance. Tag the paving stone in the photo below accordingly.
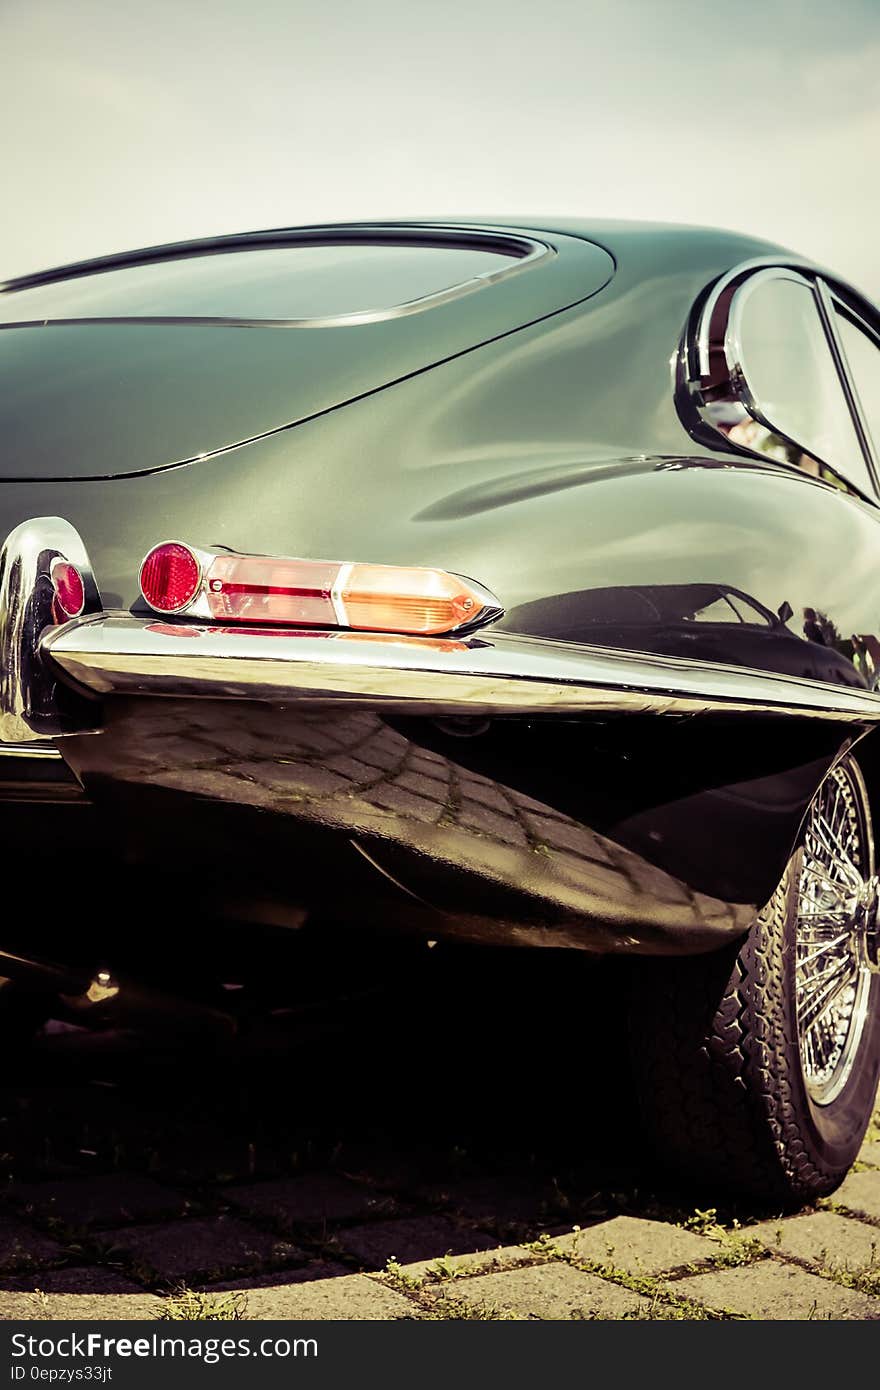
(495, 1200)
(548, 1291)
(384, 755)
(312, 1199)
(100, 1201)
(576, 838)
(416, 1238)
(487, 794)
(538, 808)
(497, 827)
(306, 779)
(478, 1262)
(354, 1297)
(658, 884)
(771, 1290)
(609, 882)
(431, 787)
(351, 768)
(78, 1279)
(254, 1283)
(204, 1153)
(824, 1238)
(860, 1192)
(180, 1249)
(391, 1168)
(73, 1307)
(20, 1245)
(636, 1245)
(870, 1153)
(403, 803)
(428, 765)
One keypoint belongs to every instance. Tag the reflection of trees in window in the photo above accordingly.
(749, 434)
(866, 656)
(818, 627)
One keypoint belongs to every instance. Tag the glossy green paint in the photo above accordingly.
(107, 399)
(550, 463)
(547, 463)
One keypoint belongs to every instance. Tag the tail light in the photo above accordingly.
(170, 577)
(265, 589)
(70, 591)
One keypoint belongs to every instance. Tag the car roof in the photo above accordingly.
(629, 238)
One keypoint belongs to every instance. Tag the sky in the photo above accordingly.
(128, 123)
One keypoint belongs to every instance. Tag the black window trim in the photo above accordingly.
(693, 363)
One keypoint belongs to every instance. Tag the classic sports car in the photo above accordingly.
(502, 583)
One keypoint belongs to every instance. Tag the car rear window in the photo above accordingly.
(292, 282)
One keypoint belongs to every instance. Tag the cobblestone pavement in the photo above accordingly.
(393, 1165)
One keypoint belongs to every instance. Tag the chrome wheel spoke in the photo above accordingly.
(821, 997)
(837, 850)
(828, 919)
(804, 961)
(830, 976)
(812, 869)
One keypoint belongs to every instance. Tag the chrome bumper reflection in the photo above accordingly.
(116, 654)
(28, 750)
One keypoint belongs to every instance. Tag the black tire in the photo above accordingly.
(718, 1067)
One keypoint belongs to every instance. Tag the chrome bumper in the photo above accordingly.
(32, 707)
(116, 654)
(104, 654)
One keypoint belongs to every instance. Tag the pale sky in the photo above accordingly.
(129, 122)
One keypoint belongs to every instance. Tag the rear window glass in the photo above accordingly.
(306, 281)
(863, 357)
(791, 375)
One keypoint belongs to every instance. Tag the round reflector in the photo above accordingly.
(70, 593)
(170, 577)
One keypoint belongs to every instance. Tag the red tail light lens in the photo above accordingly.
(262, 589)
(70, 593)
(170, 577)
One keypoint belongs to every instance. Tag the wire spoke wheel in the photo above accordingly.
(835, 890)
(757, 1064)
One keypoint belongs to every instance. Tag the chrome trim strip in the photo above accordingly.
(533, 252)
(336, 593)
(117, 654)
(828, 315)
(28, 750)
(404, 232)
(809, 270)
(694, 352)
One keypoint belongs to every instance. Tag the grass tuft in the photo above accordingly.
(188, 1305)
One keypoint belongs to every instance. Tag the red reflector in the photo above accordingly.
(70, 593)
(263, 589)
(170, 577)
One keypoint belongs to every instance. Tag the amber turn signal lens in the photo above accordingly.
(388, 598)
(170, 577)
